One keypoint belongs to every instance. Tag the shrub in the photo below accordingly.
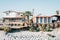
(31, 29)
(7, 29)
(38, 29)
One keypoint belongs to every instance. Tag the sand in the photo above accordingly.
(27, 35)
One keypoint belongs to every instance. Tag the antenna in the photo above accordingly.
(32, 11)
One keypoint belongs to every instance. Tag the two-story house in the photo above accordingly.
(14, 19)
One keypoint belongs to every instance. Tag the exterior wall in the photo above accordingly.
(16, 22)
(34, 19)
(42, 19)
(15, 19)
(1, 23)
(13, 14)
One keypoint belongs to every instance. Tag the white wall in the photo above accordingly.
(12, 14)
(54, 18)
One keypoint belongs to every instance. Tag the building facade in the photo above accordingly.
(14, 20)
(42, 19)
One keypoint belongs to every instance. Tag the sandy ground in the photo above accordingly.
(26, 35)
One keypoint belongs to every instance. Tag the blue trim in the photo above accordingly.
(36, 20)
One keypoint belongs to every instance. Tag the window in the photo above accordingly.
(15, 24)
(23, 24)
(45, 20)
(40, 19)
(18, 24)
(54, 18)
(49, 19)
(11, 24)
(36, 19)
(23, 19)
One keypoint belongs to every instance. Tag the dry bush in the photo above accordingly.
(7, 29)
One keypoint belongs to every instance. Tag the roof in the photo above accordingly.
(11, 11)
(12, 17)
(42, 16)
(56, 15)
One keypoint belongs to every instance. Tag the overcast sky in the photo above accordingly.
(45, 7)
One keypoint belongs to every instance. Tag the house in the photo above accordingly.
(1, 23)
(56, 20)
(42, 19)
(14, 19)
(53, 20)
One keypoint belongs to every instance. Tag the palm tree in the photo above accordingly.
(26, 15)
(57, 12)
(29, 22)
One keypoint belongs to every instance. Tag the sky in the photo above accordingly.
(43, 7)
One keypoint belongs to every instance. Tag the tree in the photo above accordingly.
(26, 15)
(57, 12)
